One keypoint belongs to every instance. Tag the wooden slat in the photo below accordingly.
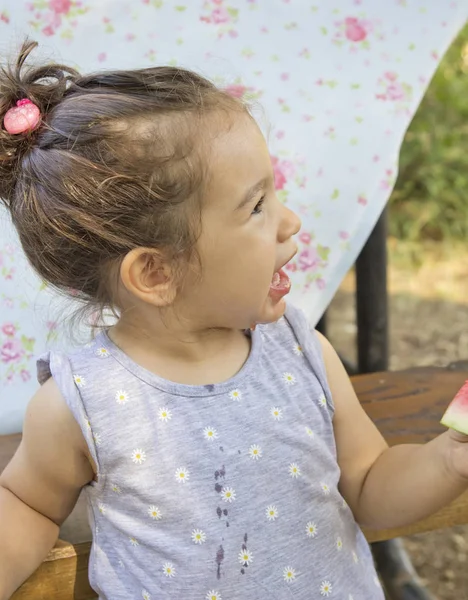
(406, 406)
(62, 576)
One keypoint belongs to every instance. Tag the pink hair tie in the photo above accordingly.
(23, 117)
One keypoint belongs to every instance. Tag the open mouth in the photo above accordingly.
(280, 285)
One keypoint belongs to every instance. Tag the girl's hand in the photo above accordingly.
(457, 454)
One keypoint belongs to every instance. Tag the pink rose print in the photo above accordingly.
(320, 283)
(288, 172)
(25, 375)
(48, 31)
(283, 170)
(53, 16)
(305, 237)
(219, 13)
(9, 329)
(311, 261)
(308, 259)
(362, 200)
(388, 181)
(60, 7)
(355, 29)
(280, 179)
(15, 353)
(243, 92)
(394, 91)
(11, 351)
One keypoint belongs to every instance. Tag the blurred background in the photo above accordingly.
(428, 275)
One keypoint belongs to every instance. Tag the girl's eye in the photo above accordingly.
(259, 206)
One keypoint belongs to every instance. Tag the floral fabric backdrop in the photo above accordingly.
(337, 82)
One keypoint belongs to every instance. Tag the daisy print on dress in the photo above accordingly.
(297, 349)
(311, 529)
(271, 512)
(168, 569)
(134, 542)
(228, 494)
(289, 574)
(289, 378)
(198, 536)
(154, 512)
(210, 433)
(294, 470)
(255, 452)
(245, 557)
(121, 397)
(213, 595)
(102, 508)
(116, 489)
(138, 456)
(145, 595)
(182, 475)
(235, 395)
(164, 415)
(322, 401)
(325, 488)
(79, 380)
(339, 544)
(355, 557)
(325, 588)
(102, 352)
(97, 439)
(309, 432)
(277, 413)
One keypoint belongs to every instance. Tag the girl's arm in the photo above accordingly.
(40, 486)
(390, 487)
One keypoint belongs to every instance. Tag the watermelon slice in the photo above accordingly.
(456, 415)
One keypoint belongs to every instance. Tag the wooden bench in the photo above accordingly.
(406, 406)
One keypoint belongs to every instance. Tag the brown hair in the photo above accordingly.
(112, 167)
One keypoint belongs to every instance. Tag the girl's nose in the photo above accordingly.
(290, 224)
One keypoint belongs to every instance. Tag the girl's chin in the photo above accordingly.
(272, 312)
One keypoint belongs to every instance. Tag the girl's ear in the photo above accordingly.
(146, 274)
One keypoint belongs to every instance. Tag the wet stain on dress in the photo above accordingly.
(219, 560)
(220, 473)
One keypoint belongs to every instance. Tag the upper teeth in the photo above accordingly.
(276, 279)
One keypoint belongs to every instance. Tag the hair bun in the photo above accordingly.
(45, 86)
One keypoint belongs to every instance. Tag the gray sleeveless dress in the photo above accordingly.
(216, 492)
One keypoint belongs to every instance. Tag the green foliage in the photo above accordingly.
(430, 200)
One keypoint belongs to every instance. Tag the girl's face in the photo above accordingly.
(246, 236)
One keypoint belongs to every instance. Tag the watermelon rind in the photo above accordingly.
(455, 421)
(456, 415)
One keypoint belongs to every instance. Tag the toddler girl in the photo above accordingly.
(219, 442)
